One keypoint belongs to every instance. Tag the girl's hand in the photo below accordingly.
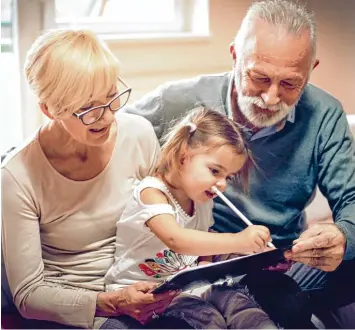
(135, 300)
(254, 239)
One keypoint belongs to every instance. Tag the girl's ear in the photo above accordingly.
(182, 159)
(185, 155)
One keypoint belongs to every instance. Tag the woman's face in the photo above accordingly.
(95, 134)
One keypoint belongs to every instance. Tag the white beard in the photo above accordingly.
(254, 116)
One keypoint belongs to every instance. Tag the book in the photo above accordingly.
(198, 276)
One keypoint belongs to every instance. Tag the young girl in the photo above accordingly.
(164, 227)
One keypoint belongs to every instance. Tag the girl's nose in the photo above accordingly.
(221, 185)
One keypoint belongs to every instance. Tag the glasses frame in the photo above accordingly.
(107, 105)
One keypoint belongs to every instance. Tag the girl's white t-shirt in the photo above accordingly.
(140, 255)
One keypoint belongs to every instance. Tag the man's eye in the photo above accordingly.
(260, 79)
(288, 85)
(263, 80)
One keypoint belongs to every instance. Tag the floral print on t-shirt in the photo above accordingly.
(167, 263)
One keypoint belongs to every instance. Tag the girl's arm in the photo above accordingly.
(205, 260)
(189, 241)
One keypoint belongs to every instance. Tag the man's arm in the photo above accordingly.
(325, 245)
(150, 107)
(336, 176)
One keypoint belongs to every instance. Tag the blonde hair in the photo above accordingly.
(203, 127)
(67, 69)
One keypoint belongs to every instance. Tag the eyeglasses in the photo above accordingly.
(94, 114)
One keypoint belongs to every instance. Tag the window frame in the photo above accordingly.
(192, 20)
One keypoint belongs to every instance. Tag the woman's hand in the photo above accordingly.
(135, 300)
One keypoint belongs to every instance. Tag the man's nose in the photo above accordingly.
(271, 95)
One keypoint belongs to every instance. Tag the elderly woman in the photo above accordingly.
(65, 188)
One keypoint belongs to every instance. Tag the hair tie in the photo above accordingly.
(192, 127)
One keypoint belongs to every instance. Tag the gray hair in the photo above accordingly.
(290, 15)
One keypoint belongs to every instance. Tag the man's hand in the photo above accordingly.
(135, 300)
(321, 246)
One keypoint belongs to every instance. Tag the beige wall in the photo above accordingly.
(149, 63)
(336, 49)
(146, 64)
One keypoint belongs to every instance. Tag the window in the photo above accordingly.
(10, 114)
(6, 25)
(122, 18)
(115, 20)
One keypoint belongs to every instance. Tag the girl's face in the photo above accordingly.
(202, 169)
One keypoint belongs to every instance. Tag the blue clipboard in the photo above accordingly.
(208, 274)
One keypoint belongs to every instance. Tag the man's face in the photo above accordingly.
(271, 74)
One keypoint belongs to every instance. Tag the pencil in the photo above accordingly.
(237, 212)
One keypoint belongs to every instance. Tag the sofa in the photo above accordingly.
(318, 210)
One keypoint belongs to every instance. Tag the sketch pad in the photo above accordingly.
(207, 274)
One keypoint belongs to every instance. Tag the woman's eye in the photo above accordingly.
(86, 107)
(112, 95)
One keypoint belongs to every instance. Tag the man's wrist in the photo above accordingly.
(343, 233)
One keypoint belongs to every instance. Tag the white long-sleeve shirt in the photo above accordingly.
(58, 235)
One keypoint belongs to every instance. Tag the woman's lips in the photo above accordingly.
(98, 131)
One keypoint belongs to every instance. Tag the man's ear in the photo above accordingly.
(316, 63)
(45, 111)
(233, 52)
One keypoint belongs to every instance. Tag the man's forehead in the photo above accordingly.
(269, 43)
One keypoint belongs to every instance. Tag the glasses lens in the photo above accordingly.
(120, 101)
(93, 115)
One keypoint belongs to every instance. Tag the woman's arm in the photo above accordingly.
(22, 252)
(135, 300)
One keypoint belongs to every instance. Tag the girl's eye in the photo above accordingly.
(214, 171)
(229, 177)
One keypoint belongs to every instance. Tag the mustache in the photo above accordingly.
(258, 101)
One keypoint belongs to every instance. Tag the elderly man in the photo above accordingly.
(298, 135)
